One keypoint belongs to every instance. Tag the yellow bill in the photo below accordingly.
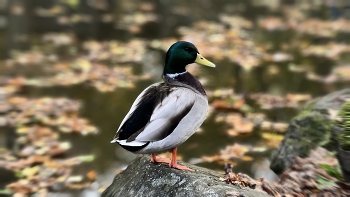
(202, 61)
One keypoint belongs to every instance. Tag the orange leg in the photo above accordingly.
(174, 163)
(156, 159)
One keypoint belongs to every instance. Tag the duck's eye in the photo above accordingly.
(188, 49)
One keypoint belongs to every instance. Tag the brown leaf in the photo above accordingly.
(92, 175)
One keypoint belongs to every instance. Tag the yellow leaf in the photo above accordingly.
(30, 171)
(72, 3)
(22, 130)
(247, 158)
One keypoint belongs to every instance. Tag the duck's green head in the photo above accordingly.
(180, 55)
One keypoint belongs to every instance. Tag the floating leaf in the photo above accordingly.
(65, 145)
(230, 152)
(86, 158)
(30, 171)
(92, 175)
(273, 140)
(74, 179)
(6, 192)
(22, 130)
(71, 3)
(237, 124)
(247, 158)
(259, 149)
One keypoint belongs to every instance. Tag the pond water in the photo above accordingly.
(106, 110)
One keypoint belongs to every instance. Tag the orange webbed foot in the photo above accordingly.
(156, 159)
(180, 167)
(174, 163)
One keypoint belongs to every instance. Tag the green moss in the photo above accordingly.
(304, 113)
(314, 129)
(310, 106)
(344, 140)
(344, 115)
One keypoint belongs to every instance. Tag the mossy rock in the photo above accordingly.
(309, 129)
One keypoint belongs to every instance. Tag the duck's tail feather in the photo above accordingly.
(131, 146)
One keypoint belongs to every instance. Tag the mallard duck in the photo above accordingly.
(166, 114)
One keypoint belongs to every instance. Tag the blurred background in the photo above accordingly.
(70, 70)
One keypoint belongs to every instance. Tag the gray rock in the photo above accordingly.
(309, 129)
(143, 178)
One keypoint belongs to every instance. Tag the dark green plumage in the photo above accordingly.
(178, 56)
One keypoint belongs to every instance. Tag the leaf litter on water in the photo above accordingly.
(40, 160)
